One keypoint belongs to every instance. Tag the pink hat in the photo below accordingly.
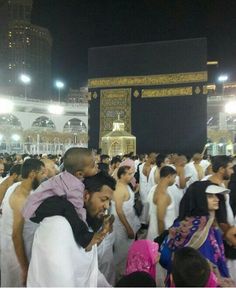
(127, 162)
(212, 280)
(142, 256)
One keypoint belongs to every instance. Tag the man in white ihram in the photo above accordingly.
(56, 259)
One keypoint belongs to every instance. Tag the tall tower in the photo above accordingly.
(25, 48)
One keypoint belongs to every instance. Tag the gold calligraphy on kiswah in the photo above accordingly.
(148, 80)
(167, 92)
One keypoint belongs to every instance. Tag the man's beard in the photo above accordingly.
(226, 177)
(94, 222)
(35, 184)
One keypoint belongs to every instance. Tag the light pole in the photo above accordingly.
(223, 78)
(60, 85)
(25, 79)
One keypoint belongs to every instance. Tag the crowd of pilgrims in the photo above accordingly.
(84, 219)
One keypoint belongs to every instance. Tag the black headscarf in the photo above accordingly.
(194, 202)
(232, 187)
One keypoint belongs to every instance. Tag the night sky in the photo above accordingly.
(76, 25)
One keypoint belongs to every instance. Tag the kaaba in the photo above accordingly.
(158, 89)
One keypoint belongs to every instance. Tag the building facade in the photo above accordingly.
(24, 49)
(31, 128)
(36, 127)
(78, 95)
(221, 123)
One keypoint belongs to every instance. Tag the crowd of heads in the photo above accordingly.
(7, 161)
(188, 265)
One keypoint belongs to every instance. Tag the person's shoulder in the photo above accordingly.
(17, 202)
(119, 186)
(163, 199)
(121, 190)
(18, 194)
(56, 224)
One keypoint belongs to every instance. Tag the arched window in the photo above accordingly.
(44, 123)
(75, 125)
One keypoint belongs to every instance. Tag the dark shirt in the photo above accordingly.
(56, 205)
(232, 194)
(230, 252)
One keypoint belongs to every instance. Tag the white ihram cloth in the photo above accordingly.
(146, 183)
(106, 258)
(205, 164)
(10, 267)
(122, 242)
(2, 179)
(57, 260)
(191, 171)
(169, 217)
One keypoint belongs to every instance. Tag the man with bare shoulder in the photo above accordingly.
(15, 264)
(161, 203)
(126, 222)
(14, 176)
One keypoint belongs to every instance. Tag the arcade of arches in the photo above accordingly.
(42, 136)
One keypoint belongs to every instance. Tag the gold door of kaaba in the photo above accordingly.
(114, 102)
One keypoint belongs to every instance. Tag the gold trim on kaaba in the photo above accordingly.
(167, 92)
(148, 80)
(95, 95)
(136, 93)
(197, 90)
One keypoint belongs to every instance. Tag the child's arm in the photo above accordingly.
(100, 235)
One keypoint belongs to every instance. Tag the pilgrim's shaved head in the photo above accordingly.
(74, 159)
